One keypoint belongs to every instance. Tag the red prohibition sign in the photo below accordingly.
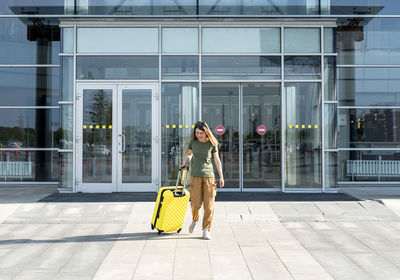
(220, 130)
(261, 129)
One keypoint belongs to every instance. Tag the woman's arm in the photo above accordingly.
(218, 165)
(188, 158)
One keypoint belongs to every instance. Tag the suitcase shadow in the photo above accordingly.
(155, 236)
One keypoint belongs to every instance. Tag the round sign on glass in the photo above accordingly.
(220, 130)
(261, 129)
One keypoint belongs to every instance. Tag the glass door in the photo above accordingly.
(261, 136)
(117, 138)
(220, 109)
(138, 138)
(96, 138)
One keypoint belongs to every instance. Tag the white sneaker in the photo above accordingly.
(192, 227)
(206, 235)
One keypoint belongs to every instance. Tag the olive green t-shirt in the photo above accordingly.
(202, 158)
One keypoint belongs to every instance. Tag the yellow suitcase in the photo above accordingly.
(170, 209)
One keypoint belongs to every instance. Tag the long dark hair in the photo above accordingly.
(202, 125)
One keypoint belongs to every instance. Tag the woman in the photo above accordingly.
(202, 148)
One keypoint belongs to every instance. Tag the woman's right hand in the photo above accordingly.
(183, 167)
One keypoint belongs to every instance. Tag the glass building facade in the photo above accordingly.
(102, 95)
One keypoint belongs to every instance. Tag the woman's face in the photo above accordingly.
(201, 135)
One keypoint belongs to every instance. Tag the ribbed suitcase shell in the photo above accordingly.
(169, 211)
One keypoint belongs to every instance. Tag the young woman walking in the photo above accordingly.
(203, 147)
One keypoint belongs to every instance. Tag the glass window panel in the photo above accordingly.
(258, 7)
(67, 93)
(220, 106)
(137, 130)
(29, 128)
(29, 166)
(368, 41)
(364, 7)
(240, 40)
(29, 86)
(134, 7)
(330, 78)
(330, 122)
(180, 40)
(331, 170)
(66, 179)
(37, 7)
(372, 166)
(97, 143)
(66, 130)
(330, 40)
(302, 67)
(68, 40)
(368, 128)
(303, 135)
(180, 67)
(179, 106)
(117, 40)
(241, 68)
(29, 41)
(302, 40)
(369, 86)
(261, 150)
(117, 67)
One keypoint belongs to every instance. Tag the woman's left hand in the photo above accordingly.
(221, 182)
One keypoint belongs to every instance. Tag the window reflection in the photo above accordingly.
(369, 128)
(29, 128)
(368, 41)
(358, 166)
(241, 68)
(36, 166)
(369, 86)
(117, 67)
(180, 67)
(261, 149)
(29, 86)
(220, 106)
(302, 67)
(303, 135)
(180, 106)
(29, 41)
(97, 136)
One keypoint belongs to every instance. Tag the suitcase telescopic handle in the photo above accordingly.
(185, 180)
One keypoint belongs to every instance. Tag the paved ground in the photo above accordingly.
(328, 237)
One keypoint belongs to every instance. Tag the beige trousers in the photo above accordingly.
(203, 191)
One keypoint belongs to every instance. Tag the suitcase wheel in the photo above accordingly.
(159, 232)
(152, 226)
(179, 230)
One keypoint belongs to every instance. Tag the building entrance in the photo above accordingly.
(117, 137)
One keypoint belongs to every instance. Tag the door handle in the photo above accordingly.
(123, 143)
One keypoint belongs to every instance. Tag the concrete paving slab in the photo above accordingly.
(302, 265)
(155, 264)
(117, 271)
(264, 264)
(229, 264)
(35, 275)
(371, 239)
(375, 265)
(339, 266)
(67, 276)
(192, 263)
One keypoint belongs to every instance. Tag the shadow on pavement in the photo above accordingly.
(104, 238)
(221, 196)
